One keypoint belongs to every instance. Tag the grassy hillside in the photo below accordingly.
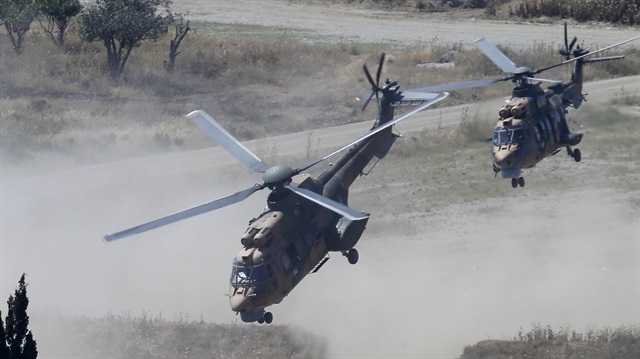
(620, 12)
(145, 336)
(62, 102)
(544, 342)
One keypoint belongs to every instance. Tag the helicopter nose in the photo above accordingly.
(238, 302)
(241, 298)
(502, 155)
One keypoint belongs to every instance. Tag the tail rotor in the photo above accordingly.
(568, 47)
(375, 85)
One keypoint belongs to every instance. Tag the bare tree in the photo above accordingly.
(180, 30)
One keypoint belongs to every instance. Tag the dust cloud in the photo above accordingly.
(52, 228)
(479, 270)
(475, 271)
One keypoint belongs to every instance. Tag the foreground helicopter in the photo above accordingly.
(532, 124)
(306, 217)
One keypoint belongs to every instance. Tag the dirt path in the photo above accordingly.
(351, 24)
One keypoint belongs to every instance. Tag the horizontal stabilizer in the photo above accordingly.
(416, 98)
(603, 59)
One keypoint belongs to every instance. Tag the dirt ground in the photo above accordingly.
(451, 256)
(355, 24)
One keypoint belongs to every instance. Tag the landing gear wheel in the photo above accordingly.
(261, 320)
(352, 256)
(577, 155)
(268, 317)
(521, 181)
(514, 182)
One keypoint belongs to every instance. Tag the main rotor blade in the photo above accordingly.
(494, 54)
(328, 203)
(437, 98)
(542, 80)
(457, 86)
(583, 56)
(223, 138)
(187, 213)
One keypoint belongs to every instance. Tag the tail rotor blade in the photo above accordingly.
(380, 69)
(369, 99)
(573, 43)
(366, 72)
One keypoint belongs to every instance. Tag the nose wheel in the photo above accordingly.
(517, 181)
(352, 255)
(266, 318)
(575, 154)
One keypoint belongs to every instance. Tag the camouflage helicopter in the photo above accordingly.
(532, 124)
(305, 217)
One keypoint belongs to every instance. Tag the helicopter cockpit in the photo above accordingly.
(249, 274)
(508, 135)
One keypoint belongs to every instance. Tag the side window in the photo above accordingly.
(293, 253)
(310, 234)
(300, 248)
(286, 261)
(273, 267)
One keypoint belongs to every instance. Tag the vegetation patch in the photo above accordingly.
(146, 336)
(544, 342)
(62, 99)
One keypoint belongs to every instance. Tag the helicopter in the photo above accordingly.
(532, 124)
(305, 217)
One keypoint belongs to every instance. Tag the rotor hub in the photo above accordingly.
(277, 175)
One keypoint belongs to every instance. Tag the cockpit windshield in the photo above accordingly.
(505, 136)
(249, 274)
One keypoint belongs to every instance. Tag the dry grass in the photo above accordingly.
(545, 342)
(433, 164)
(64, 102)
(146, 336)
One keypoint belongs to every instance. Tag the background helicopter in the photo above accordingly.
(532, 124)
(305, 217)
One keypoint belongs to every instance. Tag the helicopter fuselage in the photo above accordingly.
(294, 236)
(305, 217)
(532, 125)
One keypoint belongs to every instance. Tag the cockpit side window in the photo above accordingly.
(499, 136)
(504, 136)
(248, 274)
